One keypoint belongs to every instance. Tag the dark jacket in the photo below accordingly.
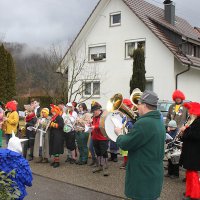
(56, 141)
(173, 133)
(145, 145)
(190, 156)
(180, 117)
(30, 133)
(38, 112)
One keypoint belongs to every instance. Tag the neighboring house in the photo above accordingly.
(114, 29)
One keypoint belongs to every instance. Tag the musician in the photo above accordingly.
(56, 142)
(82, 121)
(128, 122)
(177, 111)
(63, 109)
(145, 145)
(69, 133)
(36, 105)
(173, 169)
(11, 120)
(41, 147)
(100, 142)
(190, 156)
(75, 106)
(30, 121)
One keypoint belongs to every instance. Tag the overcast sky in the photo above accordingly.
(46, 22)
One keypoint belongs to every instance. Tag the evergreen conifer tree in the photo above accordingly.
(138, 77)
(7, 75)
(3, 72)
(11, 77)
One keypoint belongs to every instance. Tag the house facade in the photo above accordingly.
(105, 44)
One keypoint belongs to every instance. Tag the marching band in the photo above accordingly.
(80, 131)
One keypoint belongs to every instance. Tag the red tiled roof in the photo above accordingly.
(197, 29)
(150, 14)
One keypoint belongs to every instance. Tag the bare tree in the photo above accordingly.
(78, 71)
(43, 73)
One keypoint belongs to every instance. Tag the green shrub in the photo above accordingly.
(45, 101)
(8, 188)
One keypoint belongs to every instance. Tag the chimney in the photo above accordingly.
(169, 11)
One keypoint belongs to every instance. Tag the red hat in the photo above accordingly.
(11, 105)
(193, 108)
(128, 103)
(55, 109)
(178, 94)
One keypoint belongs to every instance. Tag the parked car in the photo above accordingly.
(163, 107)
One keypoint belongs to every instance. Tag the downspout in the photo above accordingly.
(188, 67)
(177, 75)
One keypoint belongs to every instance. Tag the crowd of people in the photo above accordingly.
(74, 127)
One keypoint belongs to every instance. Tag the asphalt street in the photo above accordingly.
(72, 182)
(78, 182)
(48, 189)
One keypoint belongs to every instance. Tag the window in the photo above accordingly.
(115, 19)
(91, 88)
(97, 53)
(88, 88)
(149, 84)
(191, 49)
(130, 46)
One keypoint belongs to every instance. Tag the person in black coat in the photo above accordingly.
(30, 132)
(190, 156)
(56, 141)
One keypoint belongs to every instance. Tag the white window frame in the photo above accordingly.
(111, 19)
(92, 88)
(136, 41)
(98, 54)
(150, 79)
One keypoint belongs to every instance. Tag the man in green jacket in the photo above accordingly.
(145, 146)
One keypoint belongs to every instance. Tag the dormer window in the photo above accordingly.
(115, 19)
(190, 49)
(97, 53)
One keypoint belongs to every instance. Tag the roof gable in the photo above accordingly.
(152, 15)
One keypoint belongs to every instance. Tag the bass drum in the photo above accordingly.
(102, 123)
(108, 122)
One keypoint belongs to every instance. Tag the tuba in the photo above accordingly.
(135, 96)
(116, 103)
(111, 119)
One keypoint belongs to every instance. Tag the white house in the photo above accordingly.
(114, 28)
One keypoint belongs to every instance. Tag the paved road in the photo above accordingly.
(48, 189)
(112, 185)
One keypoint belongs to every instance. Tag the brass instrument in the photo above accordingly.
(188, 122)
(173, 150)
(135, 96)
(115, 107)
(116, 103)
